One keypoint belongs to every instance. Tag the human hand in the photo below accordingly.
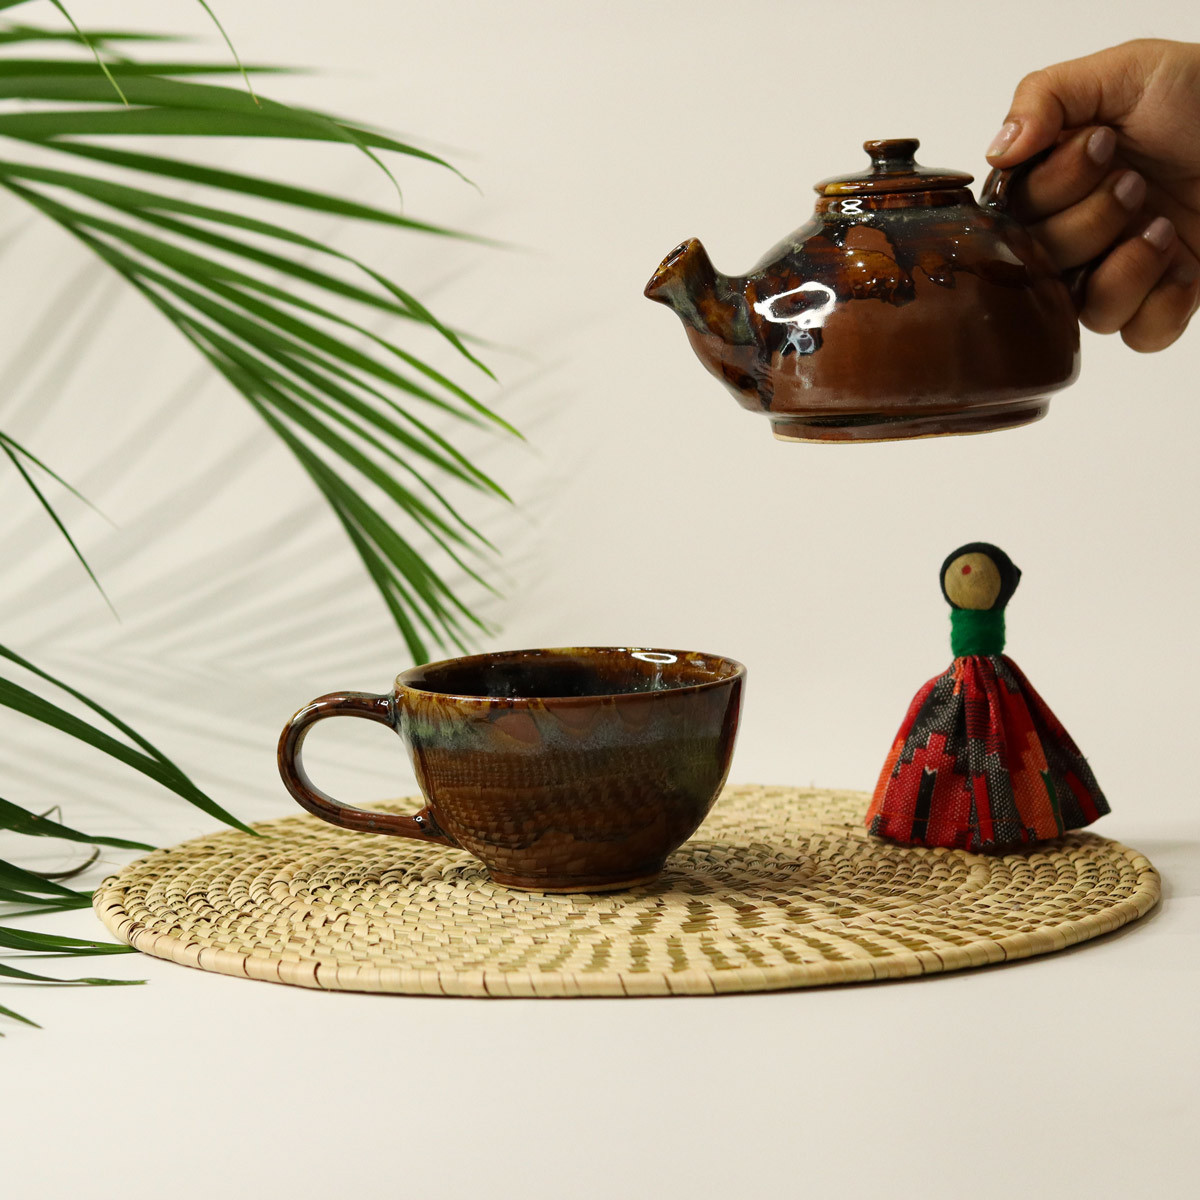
(1122, 185)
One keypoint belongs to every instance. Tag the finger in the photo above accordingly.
(1099, 89)
(1165, 313)
(1069, 175)
(1095, 223)
(1121, 283)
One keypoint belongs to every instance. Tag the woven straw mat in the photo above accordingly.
(779, 888)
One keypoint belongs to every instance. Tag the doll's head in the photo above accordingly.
(980, 577)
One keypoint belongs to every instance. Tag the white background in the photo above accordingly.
(651, 510)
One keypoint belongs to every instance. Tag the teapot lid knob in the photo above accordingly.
(893, 169)
(892, 155)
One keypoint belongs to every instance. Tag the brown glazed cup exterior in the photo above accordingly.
(564, 770)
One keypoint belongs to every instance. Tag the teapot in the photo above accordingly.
(901, 309)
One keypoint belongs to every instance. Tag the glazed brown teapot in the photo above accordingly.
(901, 309)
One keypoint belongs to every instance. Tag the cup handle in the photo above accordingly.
(422, 826)
(997, 193)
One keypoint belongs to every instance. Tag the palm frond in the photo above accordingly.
(20, 820)
(253, 298)
(279, 313)
(52, 945)
(225, 37)
(16, 1016)
(38, 893)
(19, 886)
(12, 450)
(32, 977)
(16, 34)
(95, 52)
(142, 756)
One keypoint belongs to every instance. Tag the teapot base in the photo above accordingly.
(886, 427)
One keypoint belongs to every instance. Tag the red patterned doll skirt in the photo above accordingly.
(981, 763)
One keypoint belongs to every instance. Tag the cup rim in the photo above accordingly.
(402, 680)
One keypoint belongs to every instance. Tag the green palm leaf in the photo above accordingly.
(284, 317)
(292, 349)
(37, 893)
(142, 756)
(19, 886)
(11, 450)
(20, 820)
(31, 977)
(52, 944)
(16, 1016)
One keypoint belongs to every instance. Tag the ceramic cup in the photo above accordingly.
(570, 770)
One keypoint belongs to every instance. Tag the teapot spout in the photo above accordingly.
(704, 299)
(683, 279)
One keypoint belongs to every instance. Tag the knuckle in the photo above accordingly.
(1098, 227)
(1084, 230)
(1146, 341)
(1033, 81)
(1107, 211)
(1067, 171)
(1154, 328)
(1132, 269)
(1035, 91)
(1144, 44)
(1099, 317)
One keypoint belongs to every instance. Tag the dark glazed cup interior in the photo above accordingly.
(564, 674)
(572, 769)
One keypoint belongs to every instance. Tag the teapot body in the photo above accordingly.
(890, 313)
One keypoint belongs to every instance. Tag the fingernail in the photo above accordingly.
(1130, 190)
(1160, 233)
(1101, 144)
(1185, 273)
(1004, 139)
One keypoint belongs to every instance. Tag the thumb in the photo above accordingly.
(1100, 89)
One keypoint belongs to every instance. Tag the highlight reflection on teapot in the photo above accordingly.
(803, 324)
(901, 309)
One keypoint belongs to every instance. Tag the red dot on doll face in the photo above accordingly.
(966, 570)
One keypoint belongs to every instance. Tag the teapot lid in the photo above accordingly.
(893, 169)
